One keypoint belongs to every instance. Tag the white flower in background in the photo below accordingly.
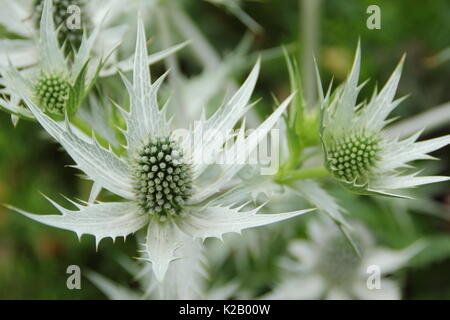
(160, 180)
(359, 154)
(328, 267)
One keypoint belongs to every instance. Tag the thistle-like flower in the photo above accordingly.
(161, 177)
(328, 267)
(358, 153)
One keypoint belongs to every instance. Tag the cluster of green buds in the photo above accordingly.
(353, 156)
(52, 93)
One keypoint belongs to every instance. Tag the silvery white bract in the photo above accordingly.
(160, 178)
(434, 118)
(327, 267)
(359, 154)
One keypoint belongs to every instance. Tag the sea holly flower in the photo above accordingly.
(327, 267)
(358, 153)
(56, 86)
(161, 177)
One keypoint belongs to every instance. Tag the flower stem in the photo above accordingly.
(305, 173)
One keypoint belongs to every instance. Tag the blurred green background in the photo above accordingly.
(34, 258)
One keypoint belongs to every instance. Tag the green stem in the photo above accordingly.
(306, 173)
